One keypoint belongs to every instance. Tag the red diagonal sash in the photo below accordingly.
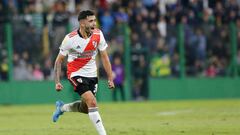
(78, 63)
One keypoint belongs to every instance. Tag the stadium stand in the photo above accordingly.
(39, 27)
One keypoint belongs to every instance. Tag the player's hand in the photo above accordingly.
(111, 84)
(58, 86)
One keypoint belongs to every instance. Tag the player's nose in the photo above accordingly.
(94, 24)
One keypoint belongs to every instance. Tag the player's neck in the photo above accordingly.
(84, 34)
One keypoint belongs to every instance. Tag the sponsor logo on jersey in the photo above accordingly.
(86, 54)
(80, 80)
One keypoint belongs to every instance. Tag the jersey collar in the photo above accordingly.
(80, 35)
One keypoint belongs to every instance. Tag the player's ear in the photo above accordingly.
(81, 23)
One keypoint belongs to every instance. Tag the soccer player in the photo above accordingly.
(81, 46)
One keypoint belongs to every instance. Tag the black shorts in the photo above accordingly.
(84, 84)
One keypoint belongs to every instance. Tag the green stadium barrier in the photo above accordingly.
(24, 92)
(32, 92)
(205, 88)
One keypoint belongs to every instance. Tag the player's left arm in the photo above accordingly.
(108, 68)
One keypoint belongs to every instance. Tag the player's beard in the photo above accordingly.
(89, 30)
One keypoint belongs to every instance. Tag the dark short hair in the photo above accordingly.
(84, 14)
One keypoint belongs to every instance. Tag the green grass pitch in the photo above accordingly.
(189, 117)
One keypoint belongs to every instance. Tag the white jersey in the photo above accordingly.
(82, 53)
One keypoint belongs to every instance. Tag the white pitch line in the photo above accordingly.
(167, 113)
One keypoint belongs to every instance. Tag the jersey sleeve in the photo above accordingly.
(102, 43)
(64, 48)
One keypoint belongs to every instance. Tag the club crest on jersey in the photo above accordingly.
(94, 44)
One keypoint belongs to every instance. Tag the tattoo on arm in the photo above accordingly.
(57, 71)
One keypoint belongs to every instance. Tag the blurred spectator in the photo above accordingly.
(121, 15)
(171, 39)
(140, 85)
(37, 73)
(22, 71)
(149, 4)
(160, 62)
(175, 67)
(162, 27)
(118, 71)
(2, 14)
(73, 18)
(153, 25)
(4, 70)
(201, 45)
(107, 23)
(211, 71)
(48, 70)
(33, 16)
(59, 23)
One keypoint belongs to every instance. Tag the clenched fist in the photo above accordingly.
(58, 86)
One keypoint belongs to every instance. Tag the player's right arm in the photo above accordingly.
(57, 71)
(63, 52)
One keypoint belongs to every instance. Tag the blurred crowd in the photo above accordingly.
(39, 26)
